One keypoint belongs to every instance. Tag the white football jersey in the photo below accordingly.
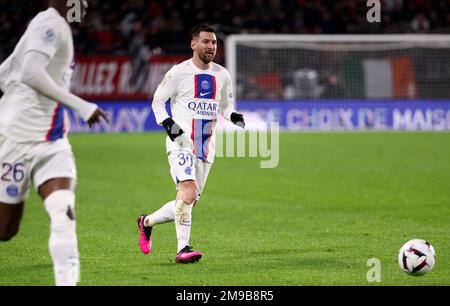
(26, 115)
(196, 97)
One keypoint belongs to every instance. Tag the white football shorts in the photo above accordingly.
(24, 163)
(184, 166)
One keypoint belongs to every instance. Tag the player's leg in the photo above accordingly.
(55, 179)
(181, 169)
(14, 186)
(167, 212)
(146, 222)
(186, 196)
(10, 217)
(179, 210)
(163, 215)
(59, 200)
(191, 195)
(203, 169)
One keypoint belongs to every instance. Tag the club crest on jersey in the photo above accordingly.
(205, 86)
(12, 191)
(49, 36)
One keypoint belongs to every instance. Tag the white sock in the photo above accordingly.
(183, 219)
(63, 238)
(66, 263)
(163, 215)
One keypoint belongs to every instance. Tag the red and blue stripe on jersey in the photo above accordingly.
(56, 130)
(205, 86)
(201, 136)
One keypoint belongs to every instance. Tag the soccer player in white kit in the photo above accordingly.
(198, 90)
(34, 148)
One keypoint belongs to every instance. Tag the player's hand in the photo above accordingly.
(172, 129)
(238, 119)
(95, 118)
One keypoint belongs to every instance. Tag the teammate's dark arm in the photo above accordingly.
(95, 118)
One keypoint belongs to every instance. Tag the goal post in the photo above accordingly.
(342, 67)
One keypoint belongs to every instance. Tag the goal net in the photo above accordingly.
(299, 67)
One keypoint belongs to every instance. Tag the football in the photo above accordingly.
(417, 257)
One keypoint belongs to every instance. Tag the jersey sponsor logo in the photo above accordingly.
(12, 191)
(205, 86)
(204, 109)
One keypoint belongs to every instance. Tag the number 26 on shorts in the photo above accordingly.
(12, 172)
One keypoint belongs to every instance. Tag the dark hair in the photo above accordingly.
(195, 32)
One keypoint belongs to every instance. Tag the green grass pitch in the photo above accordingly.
(335, 201)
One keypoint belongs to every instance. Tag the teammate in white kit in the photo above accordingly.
(198, 90)
(34, 148)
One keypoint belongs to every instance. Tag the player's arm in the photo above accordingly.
(40, 48)
(226, 108)
(165, 90)
(34, 74)
(4, 70)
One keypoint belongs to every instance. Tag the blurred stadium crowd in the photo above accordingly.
(123, 27)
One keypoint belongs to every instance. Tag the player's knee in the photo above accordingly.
(60, 208)
(188, 191)
(189, 195)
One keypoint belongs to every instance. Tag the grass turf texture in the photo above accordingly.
(334, 201)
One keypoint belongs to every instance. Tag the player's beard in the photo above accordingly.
(206, 58)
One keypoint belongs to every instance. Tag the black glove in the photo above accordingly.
(238, 119)
(172, 129)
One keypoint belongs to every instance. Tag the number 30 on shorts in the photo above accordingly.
(185, 158)
(12, 172)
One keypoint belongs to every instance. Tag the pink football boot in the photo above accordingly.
(145, 237)
(187, 255)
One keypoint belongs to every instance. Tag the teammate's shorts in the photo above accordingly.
(2, 140)
(25, 163)
(184, 166)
